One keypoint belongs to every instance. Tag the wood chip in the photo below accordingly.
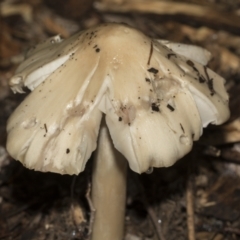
(208, 14)
(25, 10)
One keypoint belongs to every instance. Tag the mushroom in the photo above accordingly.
(155, 96)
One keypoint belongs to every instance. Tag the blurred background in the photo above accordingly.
(197, 198)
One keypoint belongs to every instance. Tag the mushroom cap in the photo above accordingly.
(156, 95)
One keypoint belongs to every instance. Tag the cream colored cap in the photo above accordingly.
(156, 95)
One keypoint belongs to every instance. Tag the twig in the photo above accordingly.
(76, 211)
(205, 13)
(228, 155)
(232, 230)
(155, 220)
(21, 209)
(25, 10)
(190, 210)
(231, 155)
(77, 215)
(92, 209)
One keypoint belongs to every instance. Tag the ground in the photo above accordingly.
(197, 198)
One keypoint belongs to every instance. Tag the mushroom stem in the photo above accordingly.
(108, 189)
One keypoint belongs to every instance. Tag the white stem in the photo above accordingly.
(108, 189)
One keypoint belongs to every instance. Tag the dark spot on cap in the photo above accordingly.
(147, 80)
(97, 50)
(182, 128)
(155, 107)
(201, 79)
(171, 55)
(67, 151)
(209, 82)
(153, 70)
(210, 86)
(150, 54)
(171, 108)
(190, 63)
(119, 119)
(45, 127)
